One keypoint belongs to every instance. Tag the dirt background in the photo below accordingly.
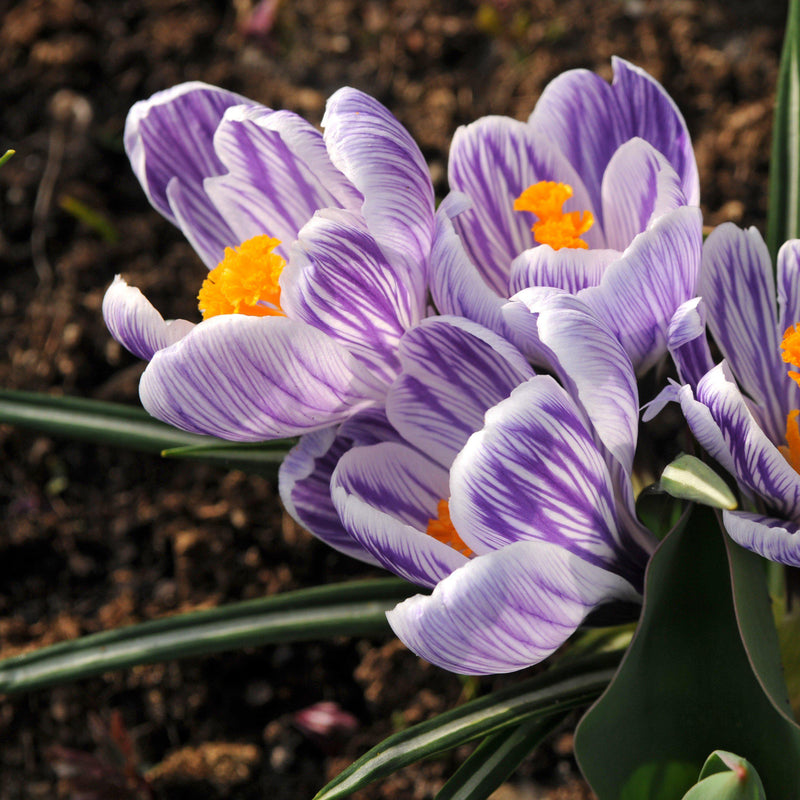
(94, 537)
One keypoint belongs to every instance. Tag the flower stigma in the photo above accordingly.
(791, 355)
(443, 530)
(245, 281)
(555, 227)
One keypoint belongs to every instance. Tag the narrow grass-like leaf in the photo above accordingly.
(130, 427)
(783, 218)
(355, 608)
(8, 154)
(558, 690)
(495, 758)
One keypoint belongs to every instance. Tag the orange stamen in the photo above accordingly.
(443, 530)
(791, 349)
(245, 281)
(555, 227)
(791, 450)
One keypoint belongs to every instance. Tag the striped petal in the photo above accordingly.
(493, 161)
(738, 289)
(453, 372)
(754, 459)
(379, 157)
(569, 268)
(339, 281)
(279, 174)
(458, 289)
(135, 323)
(687, 341)
(169, 140)
(534, 473)
(593, 366)
(304, 479)
(640, 292)
(385, 495)
(250, 378)
(507, 610)
(590, 120)
(775, 539)
(639, 185)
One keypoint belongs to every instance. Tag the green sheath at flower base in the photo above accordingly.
(688, 478)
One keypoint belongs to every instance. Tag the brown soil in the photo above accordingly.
(96, 537)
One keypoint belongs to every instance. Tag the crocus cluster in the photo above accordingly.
(463, 379)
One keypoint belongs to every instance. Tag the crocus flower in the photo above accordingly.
(506, 492)
(318, 248)
(593, 195)
(744, 411)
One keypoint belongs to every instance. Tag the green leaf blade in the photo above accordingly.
(695, 678)
(495, 759)
(783, 219)
(352, 609)
(557, 690)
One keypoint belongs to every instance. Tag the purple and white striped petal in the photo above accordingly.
(593, 366)
(590, 120)
(639, 185)
(377, 154)
(339, 281)
(171, 134)
(493, 161)
(385, 495)
(756, 461)
(788, 284)
(534, 473)
(135, 323)
(640, 292)
(687, 341)
(169, 140)
(738, 289)
(453, 372)
(252, 378)
(304, 479)
(775, 539)
(304, 482)
(457, 289)
(279, 174)
(569, 268)
(507, 610)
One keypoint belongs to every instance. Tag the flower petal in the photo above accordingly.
(458, 289)
(493, 161)
(687, 341)
(756, 461)
(304, 479)
(590, 120)
(533, 473)
(385, 495)
(250, 378)
(593, 366)
(569, 268)
(453, 372)
(135, 323)
(774, 539)
(640, 292)
(507, 610)
(377, 154)
(738, 289)
(279, 174)
(339, 281)
(639, 184)
(169, 137)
